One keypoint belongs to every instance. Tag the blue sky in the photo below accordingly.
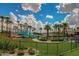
(46, 9)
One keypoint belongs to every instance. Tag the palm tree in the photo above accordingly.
(47, 28)
(65, 27)
(2, 20)
(57, 27)
(8, 25)
(18, 24)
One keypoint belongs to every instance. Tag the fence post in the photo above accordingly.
(71, 45)
(47, 48)
(57, 49)
(19, 44)
(36, 45)
(75, 42)
(62, 49)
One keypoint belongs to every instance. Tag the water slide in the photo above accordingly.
(26, 34)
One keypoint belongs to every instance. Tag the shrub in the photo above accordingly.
(12, 52)
(43, 39)
(20, 53)
(8, 44)
(11, 46)
(21, 47)
(25, 48)
(57, 40)
(0, 54)
(31, 51)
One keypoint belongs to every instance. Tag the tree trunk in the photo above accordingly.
(7, 29)
(47, 34)
(2, 26)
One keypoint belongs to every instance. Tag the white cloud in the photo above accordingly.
(58, 12)
(49, 16)
(35, 7)
(61, 12)
(58, 7)
(73, 19)
(68, 7)
(57, 22)
(31, 20)
(16, 10)
(49, 23)
(40, 24)
(73, 9)
(46, 23)
(13, 17)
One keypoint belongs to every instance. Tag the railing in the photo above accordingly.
(55, 48)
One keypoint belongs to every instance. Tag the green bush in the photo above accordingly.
(20, 53)
(0, 54)
(43, 39)
(57, 40)
(21, 47)
(31, 51)
(12, 52)
(7, 44)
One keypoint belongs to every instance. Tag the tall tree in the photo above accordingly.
(65, 27)
(18, 25)
(8, 25)
(58, 27)
(47, 28)
(2, 20)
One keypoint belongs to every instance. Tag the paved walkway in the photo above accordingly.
(36, 40)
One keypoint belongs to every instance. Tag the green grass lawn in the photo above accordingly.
(53, 48)
(73, 53)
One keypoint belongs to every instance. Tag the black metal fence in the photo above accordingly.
(56, 48)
